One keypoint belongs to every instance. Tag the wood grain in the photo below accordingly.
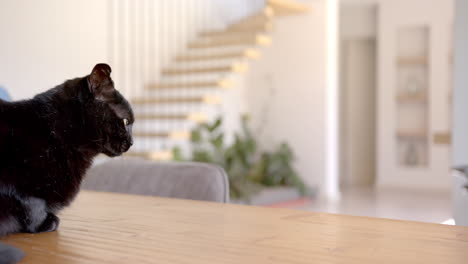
(115, 228)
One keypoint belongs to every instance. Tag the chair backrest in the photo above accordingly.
(195, 181)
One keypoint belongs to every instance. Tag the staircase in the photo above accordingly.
(195, 85)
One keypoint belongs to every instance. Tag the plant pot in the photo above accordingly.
(272, 196)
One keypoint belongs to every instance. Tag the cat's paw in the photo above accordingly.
(50, 224)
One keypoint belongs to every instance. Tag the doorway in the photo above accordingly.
(358, 115)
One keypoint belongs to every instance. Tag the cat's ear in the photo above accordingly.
(99, 81)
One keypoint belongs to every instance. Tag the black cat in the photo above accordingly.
(47, 144)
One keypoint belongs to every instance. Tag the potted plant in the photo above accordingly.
(250, 171)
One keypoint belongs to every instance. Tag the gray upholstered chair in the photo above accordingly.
(460, 196)
(195, 181)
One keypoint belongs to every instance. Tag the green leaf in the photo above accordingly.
(177, 154)
(218, 141)
(205, 127)
(202, 156)
(196, 136)
(215, 125)
(248, 170)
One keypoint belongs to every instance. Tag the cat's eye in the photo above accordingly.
(125, 121)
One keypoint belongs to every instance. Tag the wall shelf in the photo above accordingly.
(412, 61)
(412, 98)
(410, 135)
(442, 138)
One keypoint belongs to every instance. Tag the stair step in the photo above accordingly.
(245, 53)
(211, 63)
(267, 13)
(287, 7)
(252, 28)
(195, 117)
(177, 100)
(265, 25)
(228, 35)
(176, 135)
(198, 77)
(253, 21)
(220, 50)
(246, 40)
(223, 83)
(142, 144)
(182, 91)
(151, 155)
(144, 109)
(233, 68)
(226, 32)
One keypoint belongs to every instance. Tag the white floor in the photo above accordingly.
(394, 204)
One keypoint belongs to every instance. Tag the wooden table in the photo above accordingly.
(113, 228)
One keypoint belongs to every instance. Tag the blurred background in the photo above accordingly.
(352, 106)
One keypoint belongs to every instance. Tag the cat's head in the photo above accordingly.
(109, 113)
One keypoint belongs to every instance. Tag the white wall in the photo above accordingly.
(358, 21)
(286, 91)
(146, 35)
(232, 11)
(45, 42)
(460, 96)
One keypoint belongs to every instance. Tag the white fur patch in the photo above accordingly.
(35, 208)
(37, 212)
(9, 225)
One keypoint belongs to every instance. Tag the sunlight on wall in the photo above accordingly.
(332, 169)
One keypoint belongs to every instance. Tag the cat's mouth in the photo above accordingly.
(112, 153)
(118, 150)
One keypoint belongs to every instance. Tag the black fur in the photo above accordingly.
(47, 144)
